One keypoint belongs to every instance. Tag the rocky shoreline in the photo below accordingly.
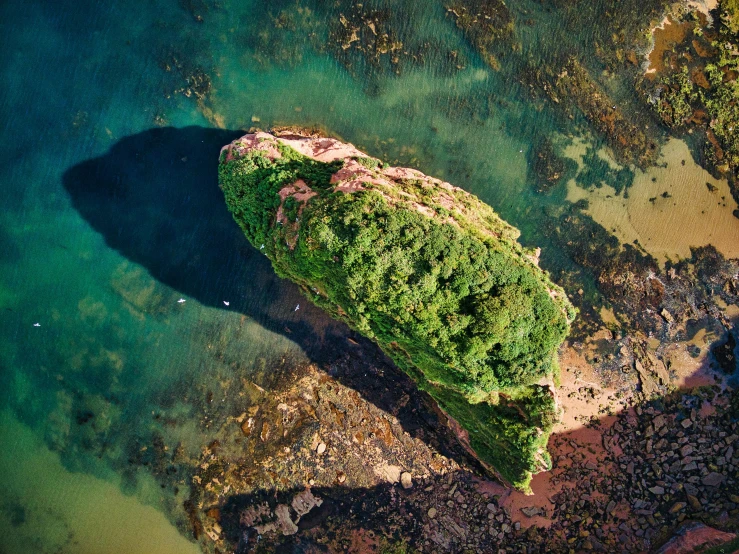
(338, 460)
(336, 473)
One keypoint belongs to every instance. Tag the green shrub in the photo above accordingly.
(369, 163)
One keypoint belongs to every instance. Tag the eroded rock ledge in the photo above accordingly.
(426, 270)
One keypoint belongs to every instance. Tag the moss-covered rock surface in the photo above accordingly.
(424, 269)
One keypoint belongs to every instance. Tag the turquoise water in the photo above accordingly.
(111, 214)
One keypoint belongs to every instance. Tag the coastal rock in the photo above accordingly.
(406, 480)
(695, 537)
(426, 270)
(287, 526)
(713, 479)
(305, 502)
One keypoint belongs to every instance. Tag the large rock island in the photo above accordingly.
(426, 270)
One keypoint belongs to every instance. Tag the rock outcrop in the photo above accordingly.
(426, 270)
(693, 536)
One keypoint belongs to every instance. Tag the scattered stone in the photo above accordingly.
(657, 490)
(658, 422)
(667, 315)
(283, 518)
(530, 511)
(304, 502)
(713, 479)
(694, 502)
(247, 426)
(321, 448)
(432, 513)
(387, 472)
(406, 480)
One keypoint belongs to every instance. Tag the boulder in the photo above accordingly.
(692, 537)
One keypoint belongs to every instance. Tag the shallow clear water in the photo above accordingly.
(111, 214)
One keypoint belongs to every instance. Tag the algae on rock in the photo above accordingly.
(426, 270)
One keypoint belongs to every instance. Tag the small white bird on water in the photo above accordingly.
(37, 325)
(226, 303)
(297, 308)
(181, 301)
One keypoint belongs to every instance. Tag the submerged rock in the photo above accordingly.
(426, 270)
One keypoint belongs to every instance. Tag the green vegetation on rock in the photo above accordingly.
(699, 85)
(730, 15)
(428, 272)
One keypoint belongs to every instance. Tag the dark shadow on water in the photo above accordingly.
(154, 197)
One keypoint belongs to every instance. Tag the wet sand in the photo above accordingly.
(578, 381)
(669, 208)
(44, 507)
(584, 398)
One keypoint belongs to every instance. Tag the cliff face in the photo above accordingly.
(426, 270)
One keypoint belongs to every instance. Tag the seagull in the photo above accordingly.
(226, 303)
(181, 301)
(37, 325)
(297, 308)
(261, 247)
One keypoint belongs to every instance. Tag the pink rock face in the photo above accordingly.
(298, 190)
(321, 149)
(355, 176)
(694, 537)
(253, 141)
(348, 179)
